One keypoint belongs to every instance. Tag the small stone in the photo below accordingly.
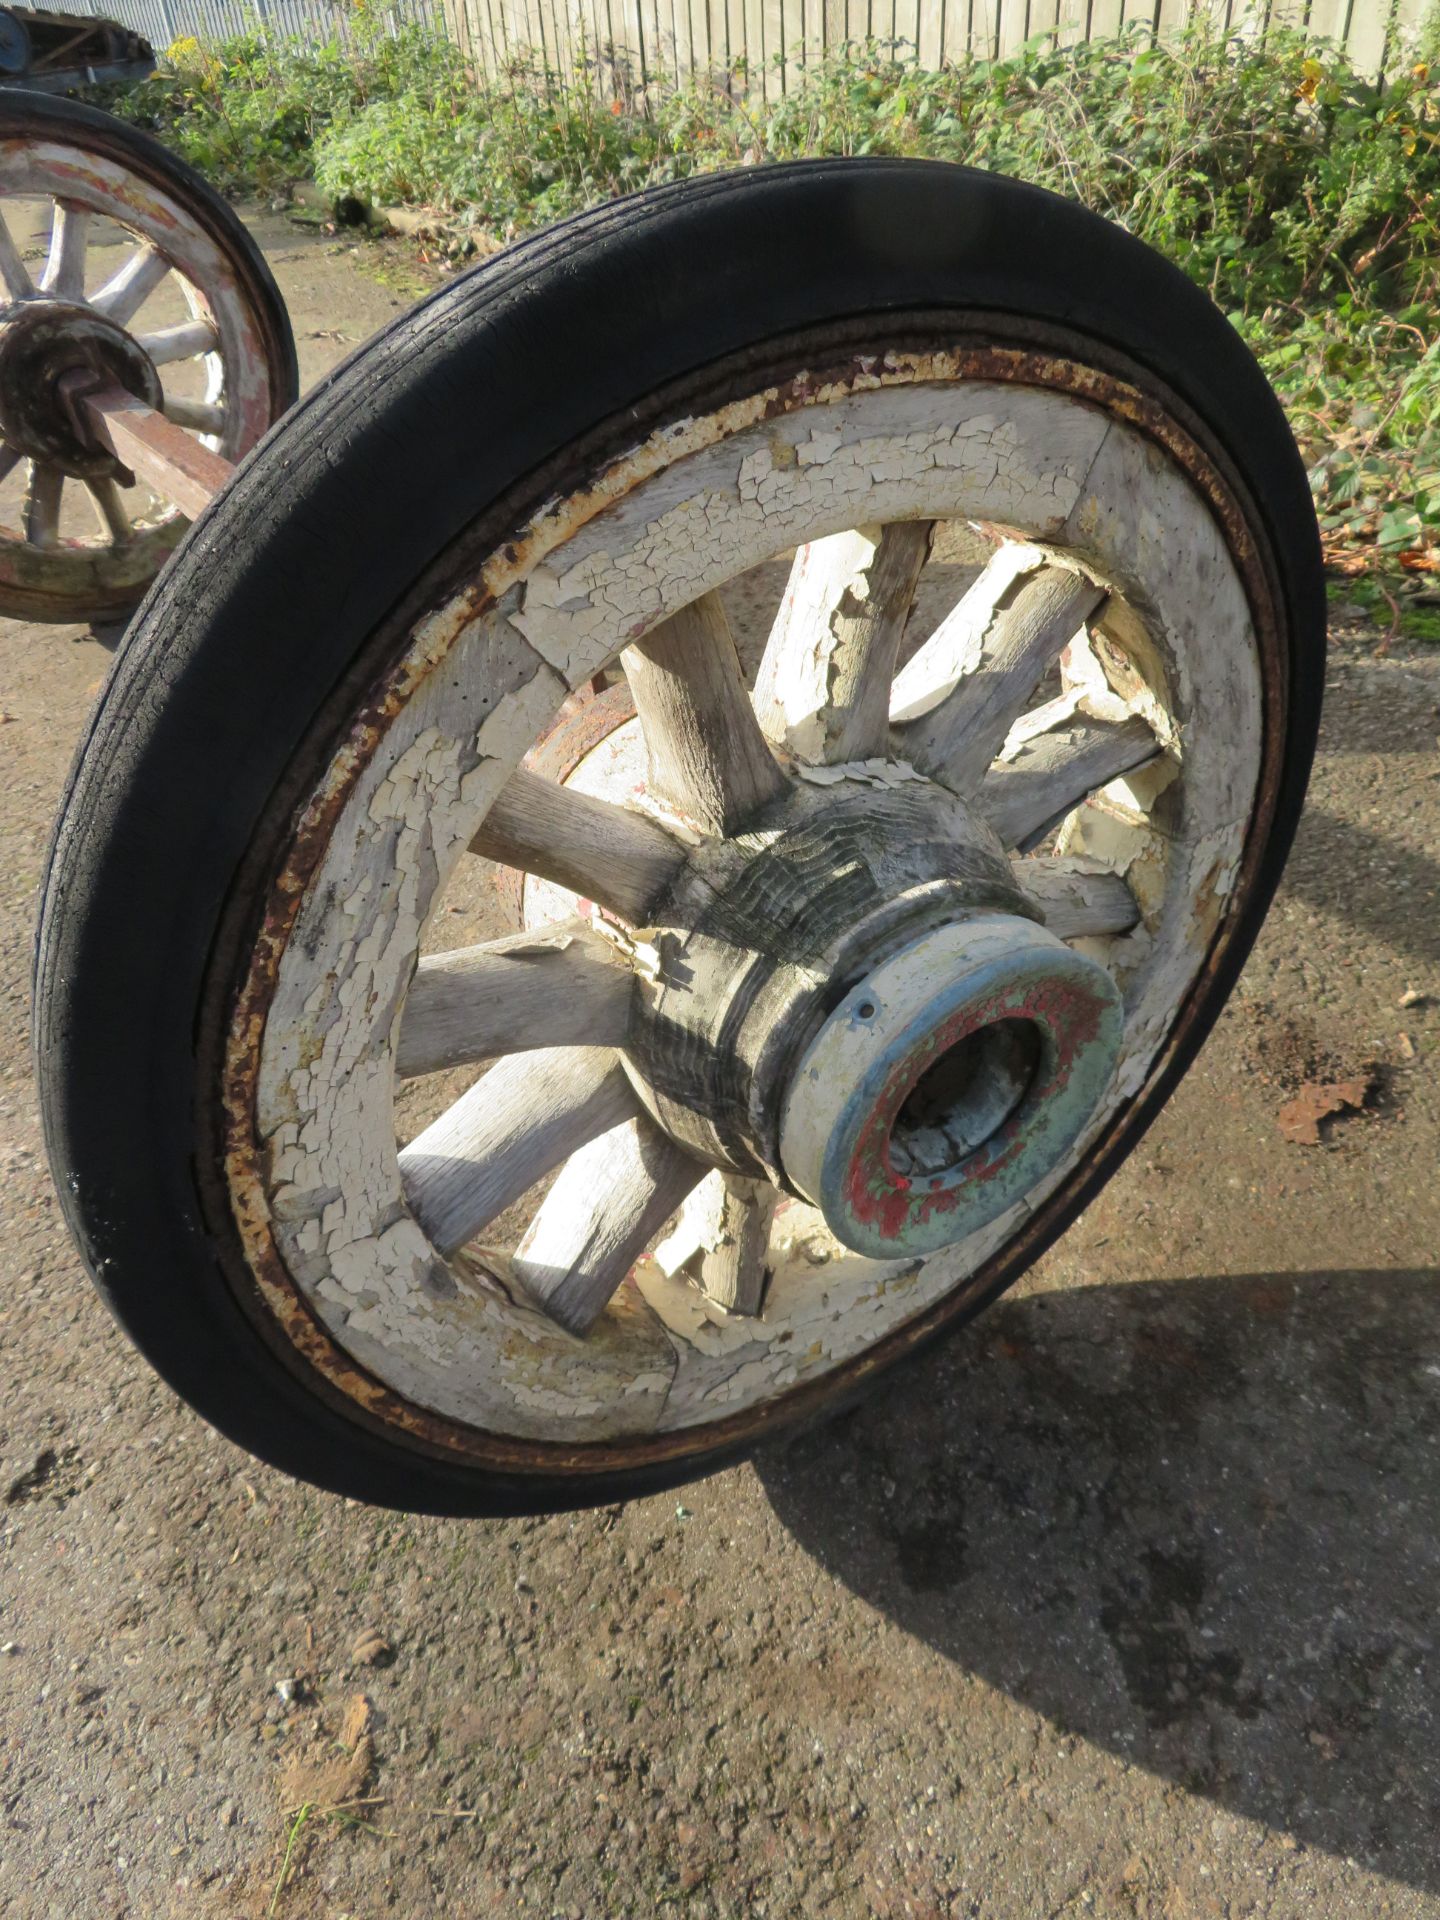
(1414, 997)
(290, 1690)
(1408, 1049)
(372, 1649)
(226, 1814)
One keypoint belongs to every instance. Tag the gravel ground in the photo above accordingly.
(1124, 1604)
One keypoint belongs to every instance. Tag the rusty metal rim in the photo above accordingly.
(267, 1289)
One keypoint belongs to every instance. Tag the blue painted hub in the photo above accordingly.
(949, 1083)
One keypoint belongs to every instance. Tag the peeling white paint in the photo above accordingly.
(698, 505)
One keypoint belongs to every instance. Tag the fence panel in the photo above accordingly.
(637, 43)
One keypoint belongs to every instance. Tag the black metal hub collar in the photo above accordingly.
(41, 341)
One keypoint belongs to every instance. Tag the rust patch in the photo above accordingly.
(1068, 1015)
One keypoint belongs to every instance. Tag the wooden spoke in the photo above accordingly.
(13, 271)
(9, 460)
(183, 342)
(199, 415)
(65, 266)
(514, 1126)
(1077, 900)
(562, 987)
(123, 295)
(1053, 772)
(958, 698)
(42, 505)
(110, 510)
(823, 689)
(723, 1237)
(609, 1201)
(604, 853)
(707, 755)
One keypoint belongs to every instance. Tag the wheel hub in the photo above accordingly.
(762, 936)
(43, 340)
(855, 1001)
(948, 1083)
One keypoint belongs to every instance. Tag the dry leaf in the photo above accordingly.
(1299, 1119)
(356, 1722)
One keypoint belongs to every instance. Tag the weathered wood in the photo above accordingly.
(823, 689)
(514, 1126)
(604, 853)
(125, 292)
(563, 987)
(1053, 772)
(184, 341)
(707, 756)
(41, 510)
(201, 416)
(723, 1237)
(608, 1202)
(1077, 900)
(176, 467)
(13, 271)
(742, 37)
(64, 274)
(958, 698)
(110, 510)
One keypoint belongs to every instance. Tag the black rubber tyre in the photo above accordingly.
(254, 649)
(29, 118)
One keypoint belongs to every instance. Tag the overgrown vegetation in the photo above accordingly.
(1303, 197)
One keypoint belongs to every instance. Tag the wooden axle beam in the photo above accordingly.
(169, 460)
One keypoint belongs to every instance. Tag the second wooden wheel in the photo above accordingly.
(118, 264)
(851, 955)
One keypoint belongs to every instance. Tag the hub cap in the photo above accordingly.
(948, 1083)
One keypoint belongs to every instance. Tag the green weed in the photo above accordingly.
(1302, 196)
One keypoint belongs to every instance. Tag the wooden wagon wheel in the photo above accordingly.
(119, 267)
(840, 985)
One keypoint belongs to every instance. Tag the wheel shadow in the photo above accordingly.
(107, 633)
(1383, 888)
(1195, 1521)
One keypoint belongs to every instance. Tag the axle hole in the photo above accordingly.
(865, 1010)
(965, 1098)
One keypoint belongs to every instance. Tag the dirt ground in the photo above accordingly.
(1122, 1605)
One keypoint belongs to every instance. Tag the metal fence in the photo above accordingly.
(165, 21)
(639, 42)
